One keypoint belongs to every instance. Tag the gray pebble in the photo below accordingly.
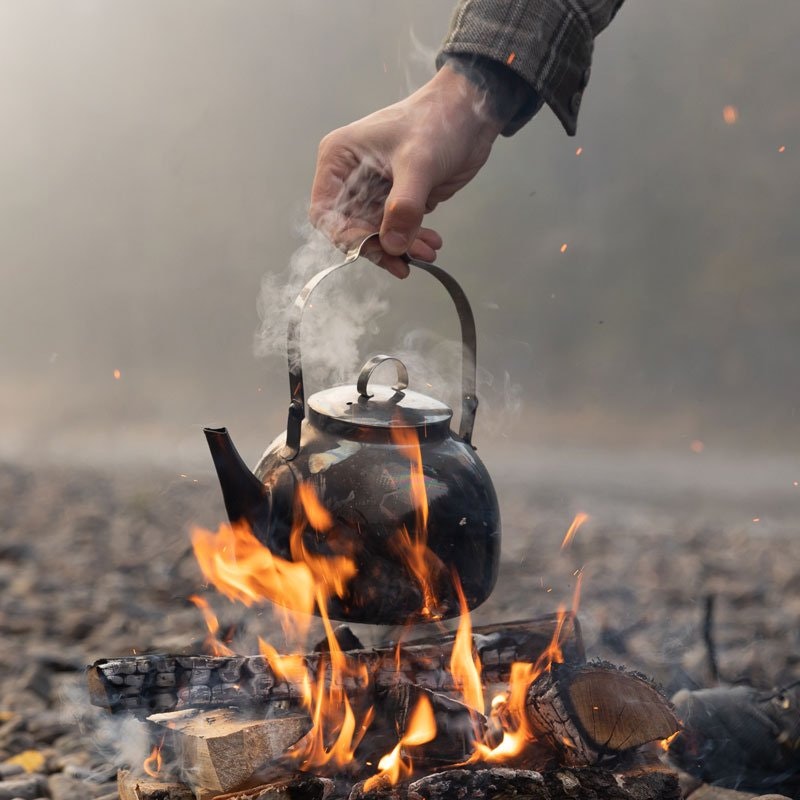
(10, 770)
(22, 789)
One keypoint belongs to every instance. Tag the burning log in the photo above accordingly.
(457, 725)
(218, 751)
(157, 683)
(590, 711)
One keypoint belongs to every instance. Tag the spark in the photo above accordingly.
(564, 247)
(756, 519)
(697, 446)
(730, 114)
(576, 523)
(117, 374)
(578, 151)
(511, 57)
(782, 148)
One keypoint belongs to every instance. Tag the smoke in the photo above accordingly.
(120, 741)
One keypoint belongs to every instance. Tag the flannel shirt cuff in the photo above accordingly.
(547, 43)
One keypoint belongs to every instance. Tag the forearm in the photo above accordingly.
(547, 44)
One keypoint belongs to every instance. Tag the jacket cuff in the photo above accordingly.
(549, 45)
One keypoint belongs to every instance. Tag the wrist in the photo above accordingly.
(509, 99)
(469, 100)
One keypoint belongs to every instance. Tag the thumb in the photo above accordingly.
(404, 210)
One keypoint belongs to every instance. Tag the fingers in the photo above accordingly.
(405, 207)
(355, 194)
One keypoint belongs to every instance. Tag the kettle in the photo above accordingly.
(356, 447)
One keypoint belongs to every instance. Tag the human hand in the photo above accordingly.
(386, 171)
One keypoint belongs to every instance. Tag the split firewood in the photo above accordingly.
(587, 712)
(156, 683)
(219, 750)
(133, 787)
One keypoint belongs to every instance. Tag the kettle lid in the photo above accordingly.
(386, 408)
(379, 406)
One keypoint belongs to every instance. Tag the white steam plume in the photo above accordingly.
(343, 310)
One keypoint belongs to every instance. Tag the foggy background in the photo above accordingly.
(156, 160)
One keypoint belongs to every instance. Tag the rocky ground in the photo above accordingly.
(96, 564)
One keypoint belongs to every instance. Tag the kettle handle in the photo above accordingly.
(297, 405)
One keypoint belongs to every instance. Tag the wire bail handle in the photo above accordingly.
(297, 405)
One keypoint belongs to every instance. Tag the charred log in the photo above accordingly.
(499, 783)
(158, 683)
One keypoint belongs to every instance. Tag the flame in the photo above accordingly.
(330, 574)
(422, 563)
(407, 438)
(213, 644)
(395, 766)
(665, 743)
(244, 570)
(290, 668)
(335, 733)
(153, 763)
(466, 669)
(575, 525)
(510, 711)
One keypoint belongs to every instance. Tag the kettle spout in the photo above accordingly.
(243, 493)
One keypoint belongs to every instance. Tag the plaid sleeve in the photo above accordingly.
(548, 43)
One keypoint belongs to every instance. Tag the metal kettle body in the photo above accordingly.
(407, 500)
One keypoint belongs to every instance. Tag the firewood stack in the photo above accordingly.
(227, 727)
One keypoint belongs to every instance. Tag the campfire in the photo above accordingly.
(370, 509)
(499, 705)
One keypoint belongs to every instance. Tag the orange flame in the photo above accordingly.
(665, 743)
(421, 562)
(395, 766)
(510, 711)
(153, 763)
(213, 644)
(244, 570)
(466, 669)
(335, 733)
(575, 525)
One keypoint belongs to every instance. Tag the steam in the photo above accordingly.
(342, 312)
(342, 315)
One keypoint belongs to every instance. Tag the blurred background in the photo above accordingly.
(636, 287)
